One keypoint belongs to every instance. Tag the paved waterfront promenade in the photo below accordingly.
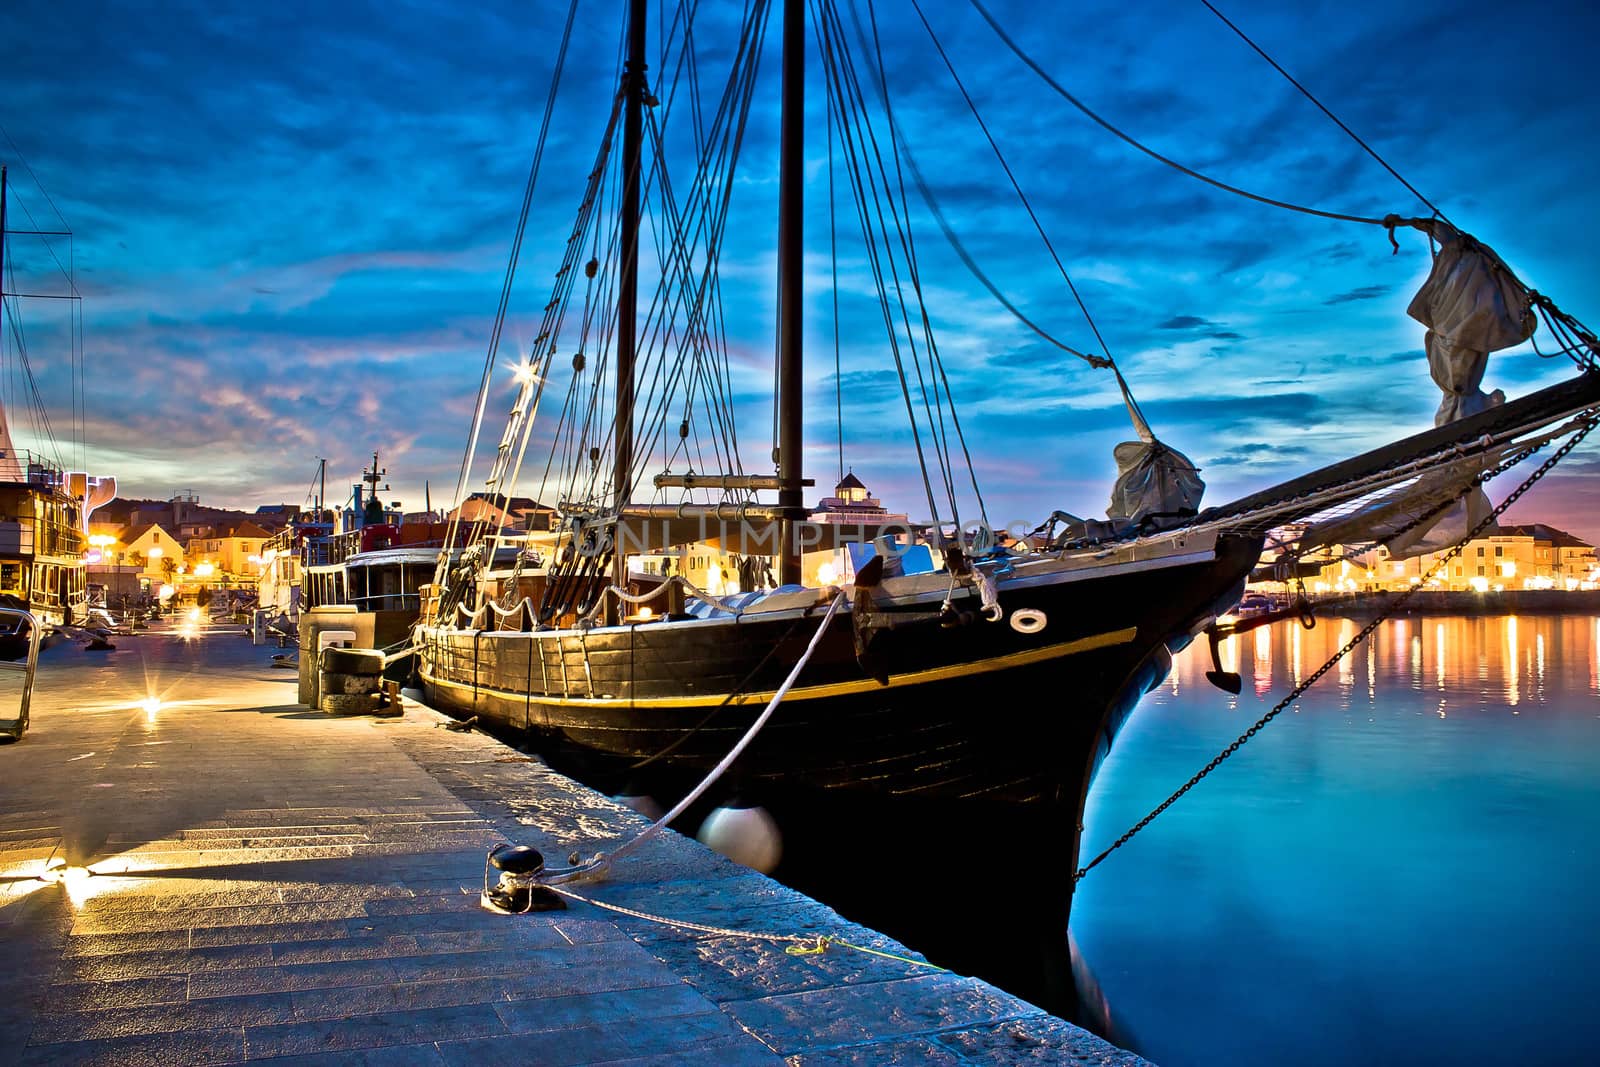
(271, 883)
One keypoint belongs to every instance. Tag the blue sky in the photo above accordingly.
(291, 223)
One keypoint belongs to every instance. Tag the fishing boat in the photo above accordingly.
(943, 692)
(368, 557)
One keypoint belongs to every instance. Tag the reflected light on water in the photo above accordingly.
(1514, 661)
(1353, 858)
(1262, 679)
(1438, 655)
(1347, 666)
(1513, 668)
(1295, 651)
(1228, 655)
(1372, 669)
(1538, 667)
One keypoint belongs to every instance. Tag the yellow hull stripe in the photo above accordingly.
(818, 692)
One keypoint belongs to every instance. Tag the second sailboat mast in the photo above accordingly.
(633, 88)
(791, 252)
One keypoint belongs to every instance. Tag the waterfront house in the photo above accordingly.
(229, 558)
(151, 554)
(518, 512)
(1529, 556)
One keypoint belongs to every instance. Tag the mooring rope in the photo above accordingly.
(597, 866)
(798, 944)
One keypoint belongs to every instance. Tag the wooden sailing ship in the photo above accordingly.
(943, 714)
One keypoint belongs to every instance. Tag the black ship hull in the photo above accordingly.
(982, 711)
(982, 743)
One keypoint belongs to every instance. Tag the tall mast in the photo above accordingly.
(791, 249)
(633, 89)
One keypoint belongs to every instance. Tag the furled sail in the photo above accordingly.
(1472, 305)
(1153, 480)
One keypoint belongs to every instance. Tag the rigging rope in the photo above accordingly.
(1015, 185)
(511, 268)
(1336, 120)
(850, 101)
(941, 399)
(1388, 611)
(1105, 124)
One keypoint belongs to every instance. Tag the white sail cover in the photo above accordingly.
(1472, 305)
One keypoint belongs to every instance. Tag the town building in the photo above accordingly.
(1531, 556)
(230, 559)
(132, 563)
(852, 504)
(517, 512)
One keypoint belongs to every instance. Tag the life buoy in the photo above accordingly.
(1028, 620)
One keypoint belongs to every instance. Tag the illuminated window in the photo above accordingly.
(1480, 569)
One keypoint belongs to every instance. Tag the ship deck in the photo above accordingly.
(267, 882)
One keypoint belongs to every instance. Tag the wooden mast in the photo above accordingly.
(791, 249)
(633, 89)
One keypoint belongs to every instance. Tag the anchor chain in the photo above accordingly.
(1383, 616)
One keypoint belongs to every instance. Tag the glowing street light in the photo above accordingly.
(204, 569)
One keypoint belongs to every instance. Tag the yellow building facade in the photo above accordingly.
(1534, 556)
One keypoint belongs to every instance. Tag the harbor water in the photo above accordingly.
(1401, 868)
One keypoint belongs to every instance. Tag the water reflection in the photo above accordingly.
(1375, 878)
(1490, 652)
(1514, 668)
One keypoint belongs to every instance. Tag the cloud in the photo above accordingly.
(1256, 453)
(292, 227)
(1365, 292)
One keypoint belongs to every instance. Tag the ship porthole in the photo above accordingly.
(1028, 620)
